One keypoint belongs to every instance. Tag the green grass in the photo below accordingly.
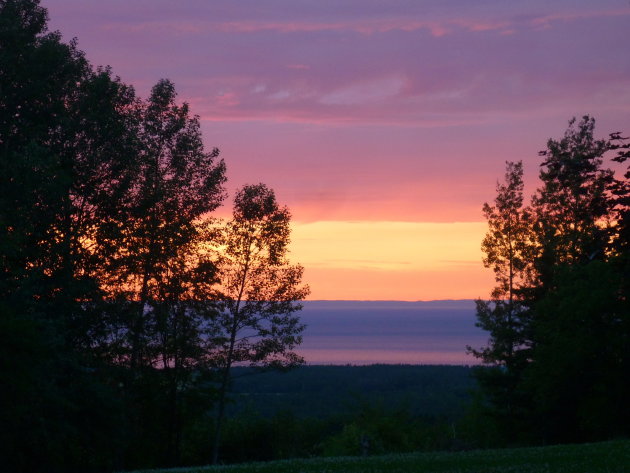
(604, 457)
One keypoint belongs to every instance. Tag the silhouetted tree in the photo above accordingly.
(100, 197)
(259, 292)
(507, 249)
(573, 205)
(152, 275)
(571, 298)
(581, 307)
(177, 183)
(578, 377)
(620, 190)
(60, 122)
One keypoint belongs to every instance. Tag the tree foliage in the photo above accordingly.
(506, 247)
(572, 296)
(259, 292)
(107, 317)
(573, 206)
(60, 119)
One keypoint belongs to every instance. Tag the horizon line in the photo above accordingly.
(390, 300)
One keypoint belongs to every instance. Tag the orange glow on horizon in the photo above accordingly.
(391, 260)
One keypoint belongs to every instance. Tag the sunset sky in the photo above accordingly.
(383, 125)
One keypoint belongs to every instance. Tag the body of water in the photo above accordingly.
(366, 332)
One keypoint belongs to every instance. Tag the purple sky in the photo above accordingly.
(372, 110)
(371, 107)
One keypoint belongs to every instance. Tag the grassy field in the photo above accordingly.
(605, 457)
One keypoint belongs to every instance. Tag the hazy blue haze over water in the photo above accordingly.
(365, 332)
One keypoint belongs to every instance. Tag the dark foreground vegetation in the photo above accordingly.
(125, 306)
(321, 391)
(558, 358)
(346, 410)
(123, 303)
(605, 457)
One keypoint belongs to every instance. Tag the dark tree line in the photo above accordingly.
(116, 288)
(557, 364)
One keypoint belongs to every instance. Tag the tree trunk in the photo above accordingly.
(220, 415)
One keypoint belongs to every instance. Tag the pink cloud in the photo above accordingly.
(227, 99)
(420, 102)
(546, 20)
(365, 92)
(436, 27)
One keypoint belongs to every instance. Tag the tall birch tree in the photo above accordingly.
(259, 294)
